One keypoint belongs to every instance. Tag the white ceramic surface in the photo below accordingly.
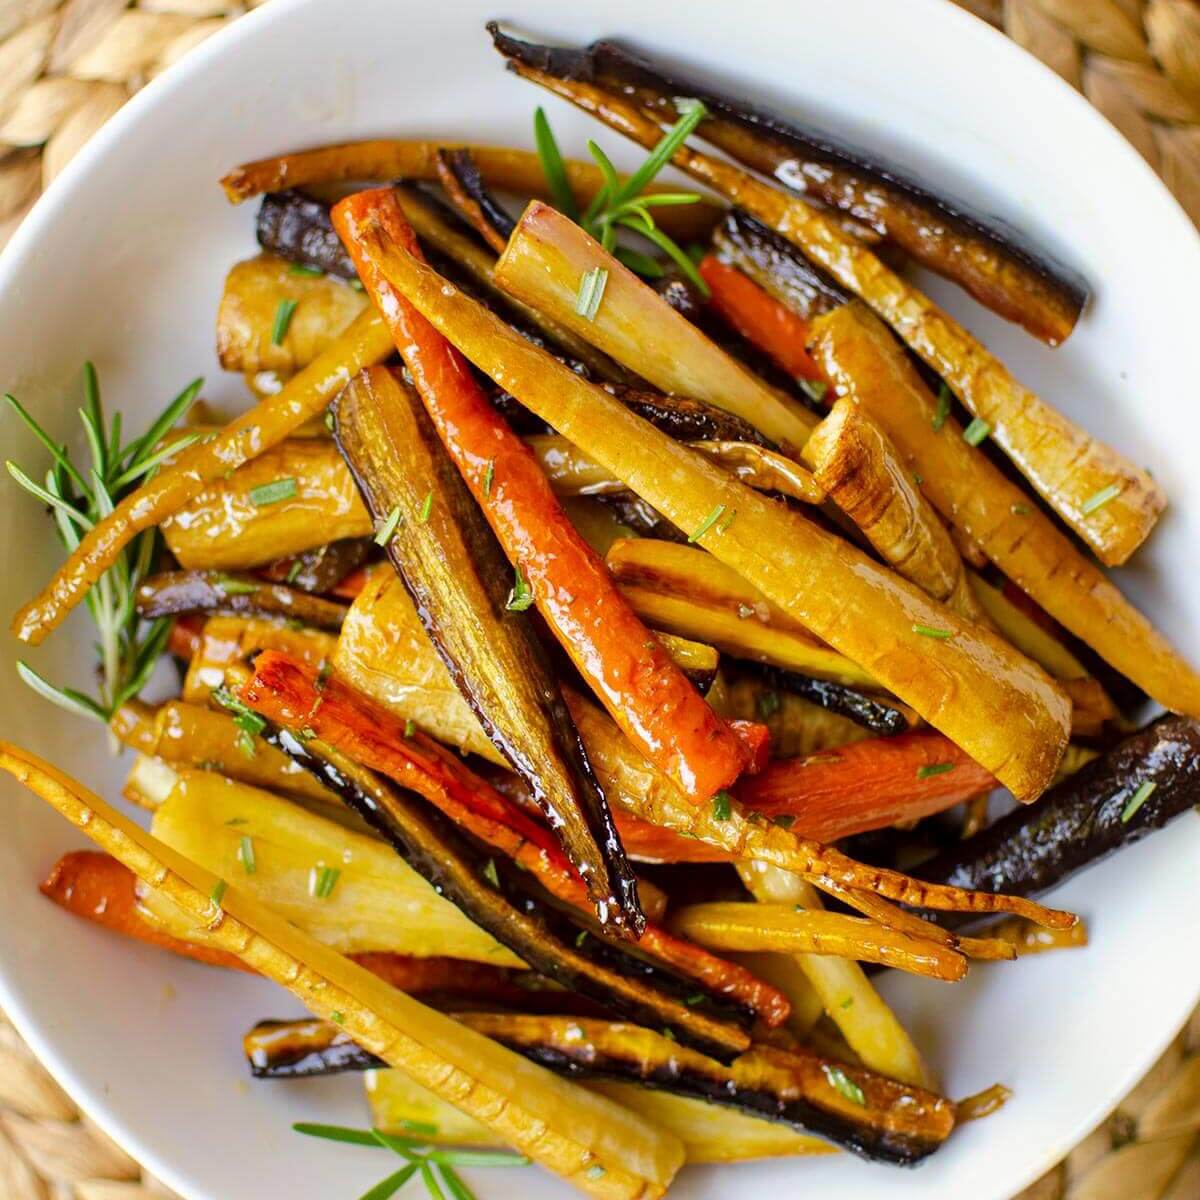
(122, 262)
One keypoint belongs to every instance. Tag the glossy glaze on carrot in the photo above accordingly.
(646, 694)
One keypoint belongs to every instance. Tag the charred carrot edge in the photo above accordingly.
(760, 318)
(98, 888)
(866, 785)
(287, 692)
(643, 690)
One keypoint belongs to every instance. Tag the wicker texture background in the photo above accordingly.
(67, 65)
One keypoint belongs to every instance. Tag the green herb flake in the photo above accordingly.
(708, 522)
(725, 524)
(767, 703)
(722, 806)
(489, 474)
(783, 820)
(930, 631)
(591, 291)
(918, 478)
(388, 527)
(1145, 790)
(322, 880)
(426, 507)
(245, 855)
(230, 585)
(842, 1082)
(1019, 510)
(236, 821)
(337, 1017)
(931, 769)
(942, 411)
(694, 999)
(814, 389)
(357, 285)
(553, 166)
(410, 727)
(324, 671)
(283, 318)
(273, 492)
(1098, 500)
(491, 874)
(305, 270)
(520, 598)
(976, 432)
(327, 419)
(294, 571)
(218, 893)
(847, 1003)
(669, 1034)
(306, 733)
(580, 938)
(595, 1171)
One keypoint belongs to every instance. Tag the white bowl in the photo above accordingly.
(122, 262)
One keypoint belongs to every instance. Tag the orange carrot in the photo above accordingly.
(287, 692)
(95, 886)
(760, 318)
(643, 690)
(186, 636)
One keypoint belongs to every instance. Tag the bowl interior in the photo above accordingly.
(123, 264)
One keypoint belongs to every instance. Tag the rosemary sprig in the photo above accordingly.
(626, 206)
(78, 497)
(421, 1155)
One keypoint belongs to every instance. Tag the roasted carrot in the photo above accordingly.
(772, 327)
(287, 692)
(634, 677)
(365, 342)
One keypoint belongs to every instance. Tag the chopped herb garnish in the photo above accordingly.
(932, 769)
(708, 522)
(337, 1018)
(232, 586)
(520, 598)
(283, 318)
(388, 527)
(491, 874)
(294, 571)
(591, 291)
(246, 855)
(976, 432)
(426, 507)
(236, 821)
(357, 285)
(918, 478)
(488, 475)
(930, 632)
(669, 1034)
(273, 492)
(580, 938)
(722, 805)
(1144, 791)
(218, 892)
(410, 727)
(323, 673)
(844, 1084)
(322, 880)
(942, 411)
(553, 166)
(847, 1003)
(1019, 510)
(327, 419)
(814, 389)
(307, 733)
(596, 1171)
(307, 271)
(248, 722)
(783, 820)
(694, 999)
(767, 703)
(725, 524)
(1101, 498)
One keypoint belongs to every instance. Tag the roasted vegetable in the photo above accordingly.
(176, 592)
(684, 418)
(1110, 502)
(856, 464)
(781, 929)
(285, 692)
(367, 341)
(462, 183)
(710, 1133)
(548, 255)
(989, 260)
(502, 167)
(556, 1124)
(321, 570)
(455, 572)
(923, 653)
(865, 362)
(797, 726)
(273, 319)
(644, 691)
(297, 228)
(879, 714)
(1117, 799)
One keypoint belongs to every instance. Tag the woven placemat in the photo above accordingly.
(66, 67)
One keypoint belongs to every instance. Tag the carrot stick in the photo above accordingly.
(771, 326)
(364, 343)
(642, 689)
(286, 692)
(98, 888)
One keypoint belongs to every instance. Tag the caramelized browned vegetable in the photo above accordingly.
(176, 592)
(274, 319)
(853, 460)
(865, 362)
(1110, 502)
(464, 186)
(989, 261)
(296, 227)
(453, 568)
(922, 652)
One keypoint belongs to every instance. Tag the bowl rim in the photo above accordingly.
(59, 195)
